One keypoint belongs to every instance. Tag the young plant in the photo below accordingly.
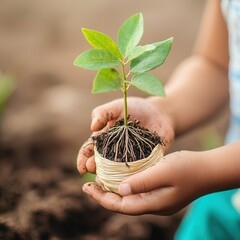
(121, 65)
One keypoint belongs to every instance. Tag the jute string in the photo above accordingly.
(111, 173)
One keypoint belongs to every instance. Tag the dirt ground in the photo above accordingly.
(47, 117)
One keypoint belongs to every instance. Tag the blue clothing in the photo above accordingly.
(211, 217)
(216, 216)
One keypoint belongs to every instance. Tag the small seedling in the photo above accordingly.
(121, 65)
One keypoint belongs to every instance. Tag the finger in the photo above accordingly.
(132, 205)
(85, 152)
(105, 113)
(91, 165)
(147, 180)
(81, 163)
(151, 202)
(155, 201)
(108, 200)
(161, 201)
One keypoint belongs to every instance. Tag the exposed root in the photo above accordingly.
(126, 143)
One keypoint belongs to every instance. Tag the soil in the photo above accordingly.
(41, 199)
(140, 142)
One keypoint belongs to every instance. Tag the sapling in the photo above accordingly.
(122, 65)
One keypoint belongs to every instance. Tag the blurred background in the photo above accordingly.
(45, 112)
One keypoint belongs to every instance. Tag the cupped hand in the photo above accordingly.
(150, 115)
(164, 189)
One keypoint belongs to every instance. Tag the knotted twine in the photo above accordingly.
(111, 173)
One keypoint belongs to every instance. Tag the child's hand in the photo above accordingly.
(176, 180)
(165, 188)
(145, 110)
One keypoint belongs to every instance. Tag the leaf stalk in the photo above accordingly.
(124, 89)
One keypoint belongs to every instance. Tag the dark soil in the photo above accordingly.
(45, 202)
(127, 143)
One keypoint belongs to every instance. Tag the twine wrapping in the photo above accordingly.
(111, 173)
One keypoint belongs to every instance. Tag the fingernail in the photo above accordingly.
(124, 189)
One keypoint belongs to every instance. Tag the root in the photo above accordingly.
(126, 143)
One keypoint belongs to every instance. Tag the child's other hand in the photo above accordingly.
(150, 115)
(164, 189)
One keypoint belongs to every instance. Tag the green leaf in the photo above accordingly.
(139, 50)
(130, 34)
(96, 59)
(107, 80)
(148, 83)
(101, 41)
(151, 59)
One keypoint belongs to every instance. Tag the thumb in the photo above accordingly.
(145, 181)
(105, 113)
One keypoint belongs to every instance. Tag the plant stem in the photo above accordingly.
(124, 89)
